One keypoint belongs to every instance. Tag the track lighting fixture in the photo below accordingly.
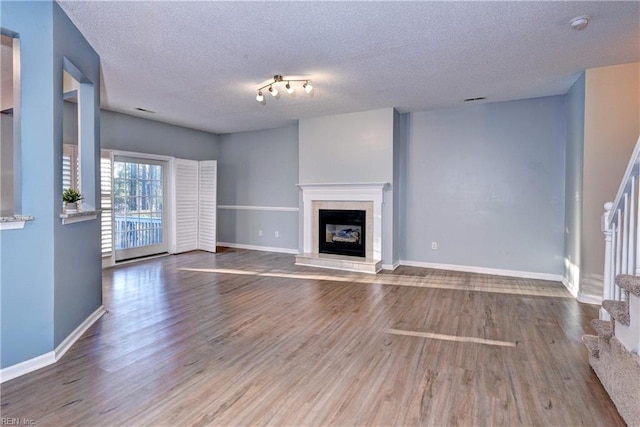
(290, 89)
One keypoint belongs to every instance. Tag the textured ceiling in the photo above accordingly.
(198, 64)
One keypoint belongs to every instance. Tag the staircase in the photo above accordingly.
(617, 367)
(613, 352)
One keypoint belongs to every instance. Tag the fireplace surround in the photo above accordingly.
(366, 197)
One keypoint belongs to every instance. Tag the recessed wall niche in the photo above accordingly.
(9, 124)
(78, 124)
(71, 172)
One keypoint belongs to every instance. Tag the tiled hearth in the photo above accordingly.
(340, 262)
(367, 197)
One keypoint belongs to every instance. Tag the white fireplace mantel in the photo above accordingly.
(357, 192)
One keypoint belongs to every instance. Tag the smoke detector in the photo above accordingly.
(580, 22)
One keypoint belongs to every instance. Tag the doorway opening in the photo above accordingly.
(139, 217)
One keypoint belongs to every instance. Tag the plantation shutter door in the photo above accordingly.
(106, 203)
(69, 166)
(207, 205)
(186, 205)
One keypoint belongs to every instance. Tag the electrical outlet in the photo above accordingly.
(277, 234)
(434, 245)
(259, 233)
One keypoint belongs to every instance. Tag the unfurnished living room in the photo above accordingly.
(340, 213)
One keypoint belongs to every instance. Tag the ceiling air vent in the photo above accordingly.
(479, 98)
(145, 111)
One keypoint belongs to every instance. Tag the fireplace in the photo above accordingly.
(342, 232)
(363, 197)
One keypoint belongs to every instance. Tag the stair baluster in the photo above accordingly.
(632, 227)
(625, 235)
(609, 237)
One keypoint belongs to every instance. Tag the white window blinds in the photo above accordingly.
(70, 167)
(195, 205)
(106, 202)
(207, 205)
(186, 205)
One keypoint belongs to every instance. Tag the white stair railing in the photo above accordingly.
(621, 227)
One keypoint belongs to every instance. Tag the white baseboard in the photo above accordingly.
(107, 262)
(51, 357)
(74, 336)
(258, 248)
(591, 288)
(571, 279)
(587, 282)
(391, 266)
(589, 299)
(14, 371)
(570, 287)
(484, 270)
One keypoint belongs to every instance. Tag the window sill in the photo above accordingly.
(14, 222)
(70, 218)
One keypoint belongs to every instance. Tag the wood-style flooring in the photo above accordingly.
(247, 338)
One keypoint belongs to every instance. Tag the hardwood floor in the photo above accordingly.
(247, 338)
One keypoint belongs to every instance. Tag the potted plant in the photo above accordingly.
(71, 197)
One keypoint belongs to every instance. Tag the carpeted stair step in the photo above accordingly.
(593, 345)
(604, 328)
(629, 283)
(619, 310)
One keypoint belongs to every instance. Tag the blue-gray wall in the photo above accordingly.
(39, 306)
(486, 183)
(26, 273)
(573, 183)
(129, 133)
(76, 247)
(258, 169)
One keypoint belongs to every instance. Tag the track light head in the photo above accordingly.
(259, 97)
(273, 91)
(307, 87)
(289, 88)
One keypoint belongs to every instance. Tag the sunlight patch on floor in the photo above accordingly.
(455, 338)
(400, 280)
